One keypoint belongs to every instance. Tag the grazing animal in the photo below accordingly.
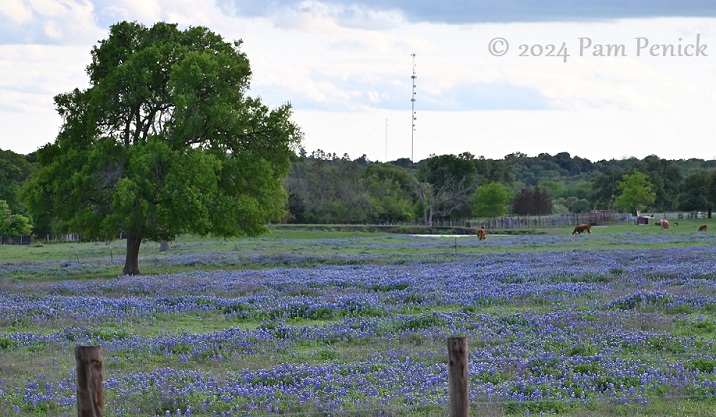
(481, 233)
(664, 224)
(582, 228)
(703, 228)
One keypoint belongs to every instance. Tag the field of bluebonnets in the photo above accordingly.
(619, 322)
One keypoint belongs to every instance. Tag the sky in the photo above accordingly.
(607, 79)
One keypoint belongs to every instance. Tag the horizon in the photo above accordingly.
(353, 158)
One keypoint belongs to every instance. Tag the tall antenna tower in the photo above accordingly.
(386, 140)
(412, 108)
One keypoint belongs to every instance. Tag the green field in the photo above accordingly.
(331, 322)
(288, 240)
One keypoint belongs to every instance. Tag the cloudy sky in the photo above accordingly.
(600, 80)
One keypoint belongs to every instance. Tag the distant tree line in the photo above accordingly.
(327, 188)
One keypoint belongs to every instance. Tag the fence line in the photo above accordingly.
(15, 240)
(553, 220)
(512, 222)
(506, 222)
(90, 401)
(90, 395)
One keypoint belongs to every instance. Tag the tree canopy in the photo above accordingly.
(490, 200)
(13, 224)
(692, 192)
(164, 141)
(635, 192)
(443, 185)
(532, 201)
(710, 190)
(14, 170)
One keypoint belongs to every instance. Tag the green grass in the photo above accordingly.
(93, 260)
(281, 241)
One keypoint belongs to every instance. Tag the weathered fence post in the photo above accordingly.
(458, 378)
(90, 400)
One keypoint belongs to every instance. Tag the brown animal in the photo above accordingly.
(703, 228)
(664, 224)
(481, 233)
(582, 228)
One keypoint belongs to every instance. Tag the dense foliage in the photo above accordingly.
(635, 192)
(164, 141)
(15, 169)
(532, 201)
(323, 186)
(490, 200)
(326, 188)
(13, 224)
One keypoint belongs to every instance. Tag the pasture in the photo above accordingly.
(619, 322)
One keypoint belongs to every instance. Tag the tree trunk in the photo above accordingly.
(131, 264)
(163, 246)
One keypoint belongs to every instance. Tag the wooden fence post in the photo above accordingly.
(90, 400)
(458, 377)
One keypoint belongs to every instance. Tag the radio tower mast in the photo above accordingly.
(412, 108)
(386, 140)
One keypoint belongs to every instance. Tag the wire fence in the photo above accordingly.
(16, 240)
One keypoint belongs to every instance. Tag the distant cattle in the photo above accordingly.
(664, 224)
(703, 228)
(582, 228)
(481, 233)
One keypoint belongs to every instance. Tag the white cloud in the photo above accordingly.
(53, 31)
(17, 11)
(48, 21)
(24, 132)
(139, 10)
(309, 17)
(320, 17)
(583, 82)
(148, 12)
(66, 20)
(361, 17)
(34, 74)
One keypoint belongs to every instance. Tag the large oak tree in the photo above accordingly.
(164, 141)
